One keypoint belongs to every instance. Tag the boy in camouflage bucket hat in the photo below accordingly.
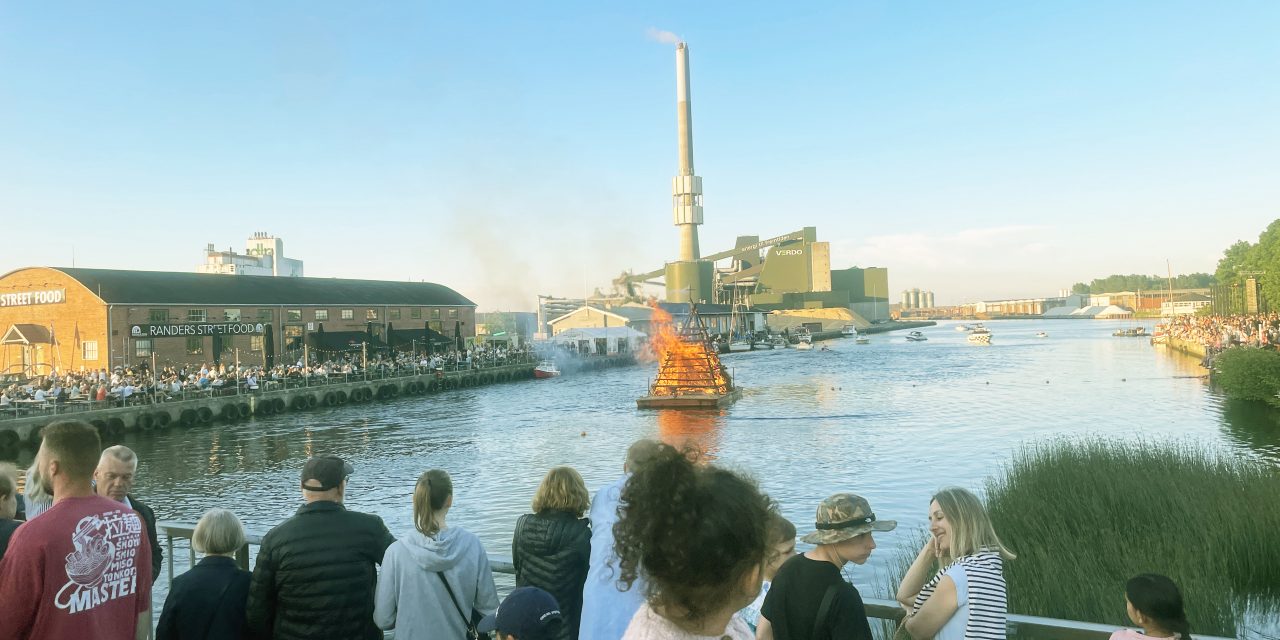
(843, 516)
(809, 597)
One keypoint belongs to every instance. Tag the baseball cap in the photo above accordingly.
(528, 613)
(843, 516)
(322, 473)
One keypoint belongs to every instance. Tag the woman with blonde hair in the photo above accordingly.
(551, 549)
(208, 602)
(965, 598)
(436, 581)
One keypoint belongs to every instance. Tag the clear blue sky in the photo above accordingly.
(981, 150)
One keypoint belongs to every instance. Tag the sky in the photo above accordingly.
(981, 150)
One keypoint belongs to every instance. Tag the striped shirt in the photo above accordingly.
(980, 598)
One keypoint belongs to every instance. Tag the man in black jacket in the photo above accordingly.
(117, 469)
(315, 575)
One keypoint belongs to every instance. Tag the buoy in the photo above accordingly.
(584, 434)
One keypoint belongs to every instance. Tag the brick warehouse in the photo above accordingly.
(70, 319)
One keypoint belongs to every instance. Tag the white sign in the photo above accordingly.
(52, 296)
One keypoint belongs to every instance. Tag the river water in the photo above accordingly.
(891, 420)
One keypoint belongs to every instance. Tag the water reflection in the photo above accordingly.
(1253, 424)
(699, 429)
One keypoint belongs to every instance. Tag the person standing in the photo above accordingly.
(437, 578)
(117, 468)
(551, 548)
(80, 569)
(809, 597)
(606, 609)
(207, 602)
(966, 598)
(8, 506)
(698, 533)
(315, 573)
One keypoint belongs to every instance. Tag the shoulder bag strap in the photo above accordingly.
(824, 612)
(466, 622)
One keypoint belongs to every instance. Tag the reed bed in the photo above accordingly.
(1084, 516)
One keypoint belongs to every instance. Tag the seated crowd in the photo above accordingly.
(1221, 332)
(135, 384)
(676, 548)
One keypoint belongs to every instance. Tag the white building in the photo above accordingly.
(263, 256)
(1185, 304)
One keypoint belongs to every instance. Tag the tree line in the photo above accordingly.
(1260, 260)
(1139, 282)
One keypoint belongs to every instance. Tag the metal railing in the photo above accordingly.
(1019, 626)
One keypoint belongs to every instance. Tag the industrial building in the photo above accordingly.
(69, 319)
(263, 256)
(791, 271)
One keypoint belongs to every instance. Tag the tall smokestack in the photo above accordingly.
(686, 188)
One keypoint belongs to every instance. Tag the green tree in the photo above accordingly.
(1236, 258)
(1080, 288)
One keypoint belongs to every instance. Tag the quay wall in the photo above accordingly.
(1188, 347)
(111, 422)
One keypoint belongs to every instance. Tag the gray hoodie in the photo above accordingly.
(411, 598)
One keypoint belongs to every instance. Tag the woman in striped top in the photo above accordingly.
(965, 598)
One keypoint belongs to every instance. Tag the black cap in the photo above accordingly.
(528, 613)
(322, 473)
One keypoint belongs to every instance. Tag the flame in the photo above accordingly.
(687, 363)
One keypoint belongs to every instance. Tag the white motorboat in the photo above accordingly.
(546, 369)
(980, 335)
(804, 346)
(1042, 334)
(916, 336)
(849, 331)
(963, 327)
(862, 339)
(739, 345)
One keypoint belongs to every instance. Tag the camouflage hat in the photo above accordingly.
(843, 516)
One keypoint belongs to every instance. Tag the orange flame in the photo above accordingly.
(687, 363)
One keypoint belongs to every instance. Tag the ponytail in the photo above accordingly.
(429, 495)
(1157, 597)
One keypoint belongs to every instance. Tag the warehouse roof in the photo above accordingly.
(173, 288)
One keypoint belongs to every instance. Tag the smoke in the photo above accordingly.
(665, 37)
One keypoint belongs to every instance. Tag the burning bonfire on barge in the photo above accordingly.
(690, 375)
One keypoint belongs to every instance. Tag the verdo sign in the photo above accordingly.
(28, 298)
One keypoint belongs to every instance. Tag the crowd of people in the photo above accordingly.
(128, 385)
(675, 549)
(1221, 332)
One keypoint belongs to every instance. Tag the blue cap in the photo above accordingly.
(528, 613)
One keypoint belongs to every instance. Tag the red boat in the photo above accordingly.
(546, 369)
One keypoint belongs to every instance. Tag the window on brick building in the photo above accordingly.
(231, 315)
(322, 314)
(393, 314)
(435, 314)
(266, 315)
(295, 315)
(371, 314)
(453, 314)
(158, 316)
(195, 345)
(255, 343)
(195, 315)
(89, 350)
(348, 314)
(415, 314)
(142, 348)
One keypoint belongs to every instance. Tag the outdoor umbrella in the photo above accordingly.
(269, 346)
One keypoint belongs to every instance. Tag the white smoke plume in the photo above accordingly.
(658, 35)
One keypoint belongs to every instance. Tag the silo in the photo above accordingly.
(928, 299)
(906, 299)
(915, 298)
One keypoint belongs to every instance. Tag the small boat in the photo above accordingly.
(862, 339)
(977, 327)
(980, 335)
(1041, 334)
(849, 331)
(546, 369)
(963, 327)
(804, 345)
(916, 336)
(738, 346)
(1136, 332)
(777, 342)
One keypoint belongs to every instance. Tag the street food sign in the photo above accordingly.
(196, 329)
(27, 298)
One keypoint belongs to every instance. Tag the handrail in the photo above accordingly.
(1019, 626)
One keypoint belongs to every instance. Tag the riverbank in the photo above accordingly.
(286, 396)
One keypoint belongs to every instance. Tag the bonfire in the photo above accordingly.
(690, 374)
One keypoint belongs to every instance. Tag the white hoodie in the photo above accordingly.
(411, 598)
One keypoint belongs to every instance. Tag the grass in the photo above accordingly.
(1085, 516)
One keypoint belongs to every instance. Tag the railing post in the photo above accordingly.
(242, 557)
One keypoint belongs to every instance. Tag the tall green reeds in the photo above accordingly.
(1084, 517)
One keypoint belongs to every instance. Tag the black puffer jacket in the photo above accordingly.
(551, 551)
(315, 575)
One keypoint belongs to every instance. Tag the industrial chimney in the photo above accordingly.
(688, 279)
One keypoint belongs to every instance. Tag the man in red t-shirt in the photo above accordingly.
(82, 569)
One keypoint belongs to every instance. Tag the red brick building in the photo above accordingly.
(71, 319)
